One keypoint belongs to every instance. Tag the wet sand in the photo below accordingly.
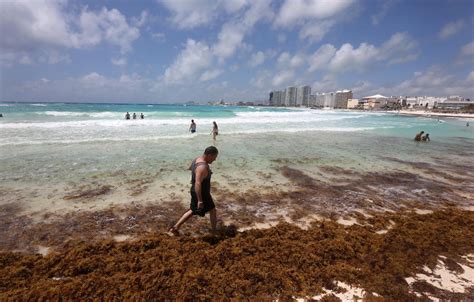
(375, 231)
(435, 114)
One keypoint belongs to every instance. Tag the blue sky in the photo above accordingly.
(168, 51)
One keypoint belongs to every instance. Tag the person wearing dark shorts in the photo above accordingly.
(201, 199)
(192, 127)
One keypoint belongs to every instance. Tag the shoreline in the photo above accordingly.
(432, 114)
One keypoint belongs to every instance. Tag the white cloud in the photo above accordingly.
(470, 77)
(142, 20)
(229, 39)
(398, 49)
(451, 29)
(316, 17)
(37, 27)
(386, 6)
(361, 88)
(326, 84)
(257, 59)
(468, 49)
(119, 61)
(210, 74)
(92, 87)
(93, 79)
(434, 81)
(232, 6)
(262, 80)
(161, 37)
(194, 58)
(231, 36)
(283, 77)
(295, 11)
(285, 60)
(466, 54)
(348, 58)
(25, 60)
(106, 25)
(320, 59)
(316, 30)
(52, 57)
(188, 14)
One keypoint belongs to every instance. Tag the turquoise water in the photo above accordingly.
(81, 123)
(50, 150)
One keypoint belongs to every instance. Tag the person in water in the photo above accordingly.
(127, 116)
(134, 116)
(142, 116)
(426, 137)
(215, 130)
(192, 127)
(201, 199)
(418, 136)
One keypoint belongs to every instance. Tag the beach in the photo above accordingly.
(333, 204)
(435, 114)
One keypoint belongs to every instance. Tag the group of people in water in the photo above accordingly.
(134, 116)
(214, 131)
(422, 138)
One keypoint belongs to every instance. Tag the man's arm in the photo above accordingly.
(201, 173)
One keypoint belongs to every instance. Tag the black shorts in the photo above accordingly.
(208, 205)
(192, 131)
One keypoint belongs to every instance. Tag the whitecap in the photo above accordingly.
(61, 113)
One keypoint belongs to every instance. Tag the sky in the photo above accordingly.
(173, 51)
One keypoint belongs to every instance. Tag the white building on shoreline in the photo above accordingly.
(294, 96)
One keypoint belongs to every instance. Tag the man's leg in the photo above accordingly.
(213, 218)
(183, 219)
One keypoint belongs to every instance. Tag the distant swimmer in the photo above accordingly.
(1, 114)
(418, 136)
(201, 199)
(192, 127)
(215, 130)
(426, 137)
(127, 116)
(134, 116)
(142, 116)
(467, 124)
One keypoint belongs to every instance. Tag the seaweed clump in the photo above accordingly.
(281, 263)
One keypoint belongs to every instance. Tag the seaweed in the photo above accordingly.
(281, 263)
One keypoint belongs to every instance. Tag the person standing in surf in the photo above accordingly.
(201, 199)
(214, 131)
(192, 127)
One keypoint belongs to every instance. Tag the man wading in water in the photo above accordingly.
(201, 199)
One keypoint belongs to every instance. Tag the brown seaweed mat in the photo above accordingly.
(281, 263)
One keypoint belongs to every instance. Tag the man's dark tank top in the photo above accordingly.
(206, 182)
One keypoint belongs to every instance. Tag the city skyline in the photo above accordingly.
(168, 51)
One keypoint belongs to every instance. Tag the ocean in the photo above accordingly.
(51, 153)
